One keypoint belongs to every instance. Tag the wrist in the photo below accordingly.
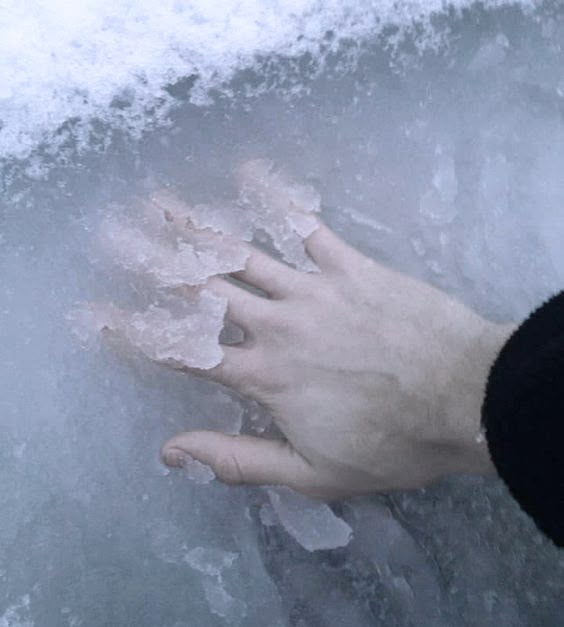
(465, 390)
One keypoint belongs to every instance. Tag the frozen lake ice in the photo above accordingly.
(437, 147)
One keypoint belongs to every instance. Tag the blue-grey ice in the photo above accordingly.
(429, 134)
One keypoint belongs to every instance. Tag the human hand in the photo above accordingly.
(375, 379)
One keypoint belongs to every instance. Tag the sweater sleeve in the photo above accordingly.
(523, 416)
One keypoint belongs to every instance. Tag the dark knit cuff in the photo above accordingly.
(523, 416)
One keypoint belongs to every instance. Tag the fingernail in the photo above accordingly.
(174, 458)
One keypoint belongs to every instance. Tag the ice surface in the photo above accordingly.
(490, 54)
(180, 249)
(311, 523)
(80, 63)
(17, 615)
(269, 202)
(196, 471)
(267, 515)
(438, 202)
(223, 604)
(441, 156)
(183, 341)
(281, 208)
(212, 563)
(172, 264)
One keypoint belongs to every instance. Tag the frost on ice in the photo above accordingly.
(211, 563)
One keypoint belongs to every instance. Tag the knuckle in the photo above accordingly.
(228, 470)
(270, 315)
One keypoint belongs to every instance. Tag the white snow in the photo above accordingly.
(61, 61)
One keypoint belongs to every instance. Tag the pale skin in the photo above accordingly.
(375, 379)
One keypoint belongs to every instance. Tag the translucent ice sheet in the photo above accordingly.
(440, 154)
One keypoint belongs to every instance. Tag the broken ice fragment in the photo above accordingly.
(190, 340)
(189, 260)
(196, 471)
(269, 202)
(281, 208)
(225, 218)
(311, 523)
(262, 185)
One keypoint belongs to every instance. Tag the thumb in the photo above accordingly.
(237, 459)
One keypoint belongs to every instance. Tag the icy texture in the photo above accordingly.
(228, 414)
(172, 264)
(17, 614)
(280, 208)
(182, 248)
(196, 471)
(60, 62)
(443, 163)
(259, 420)
(269, 202)
(311, 523)
(267, 515)
(212, 563)
(438, 202)
(186, 341)
(223, 604)
(492, 53)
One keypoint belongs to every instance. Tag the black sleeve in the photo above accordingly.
(523, 416)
